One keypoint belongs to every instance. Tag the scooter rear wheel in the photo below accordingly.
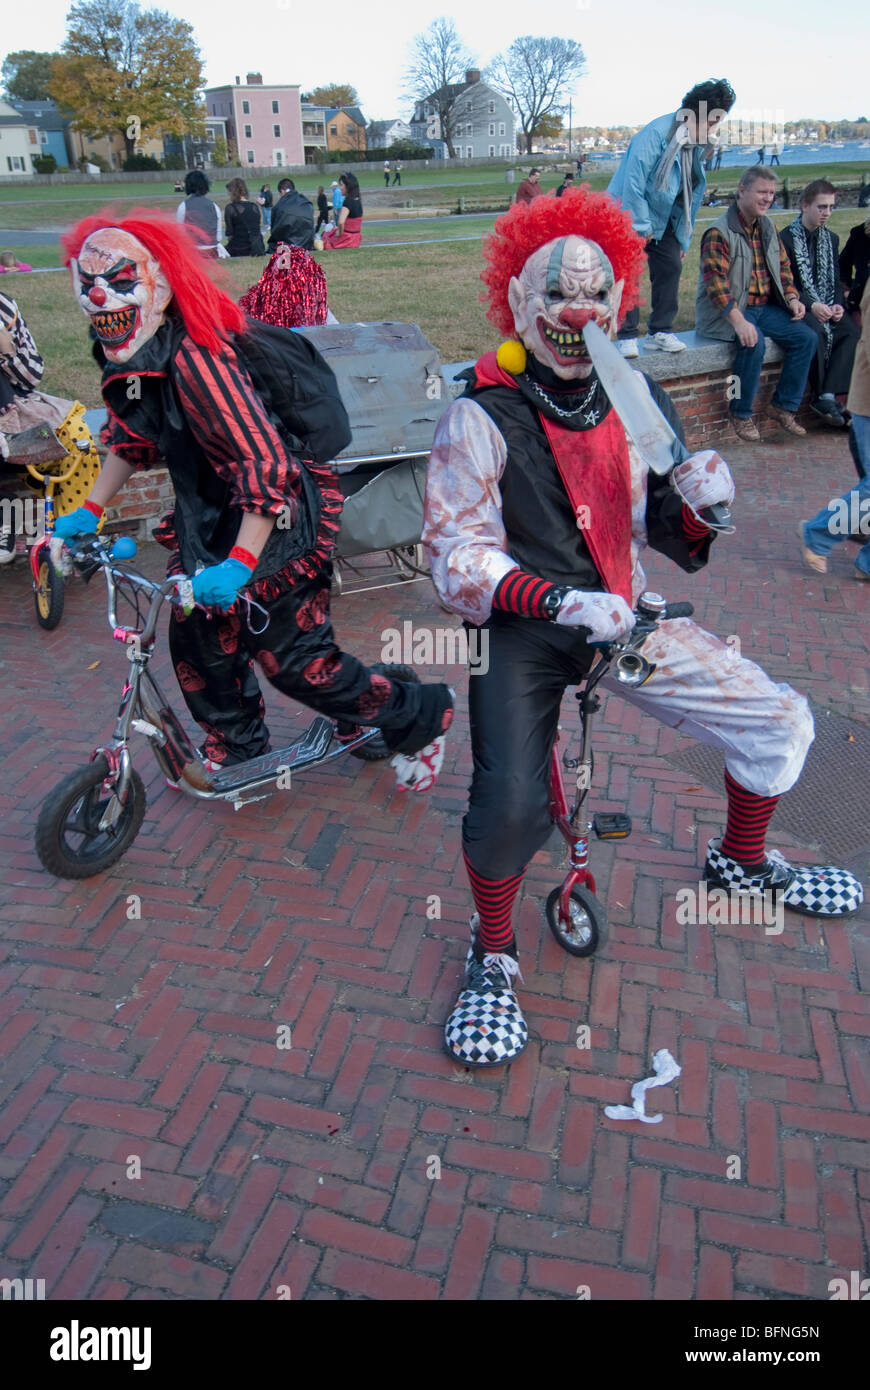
(69, 841)
(588, 922)
(376, 750)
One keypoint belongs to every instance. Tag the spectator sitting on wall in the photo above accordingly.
(292, 218)
(855, 264)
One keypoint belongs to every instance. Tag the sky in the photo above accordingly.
(784, 58)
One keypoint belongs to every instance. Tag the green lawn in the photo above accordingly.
(435, 285)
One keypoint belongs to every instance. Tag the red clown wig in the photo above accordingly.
(208, 312)
(527, 226)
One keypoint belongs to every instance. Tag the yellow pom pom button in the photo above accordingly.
(511, 357)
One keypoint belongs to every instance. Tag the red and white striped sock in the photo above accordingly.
(494, 900)
(748, 818)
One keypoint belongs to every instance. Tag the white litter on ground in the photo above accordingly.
(666, 1069)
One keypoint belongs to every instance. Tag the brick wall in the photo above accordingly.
(703, 405)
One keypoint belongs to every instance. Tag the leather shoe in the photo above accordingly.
(785, 419)
(745, 428)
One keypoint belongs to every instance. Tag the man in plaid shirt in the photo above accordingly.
(746, 290)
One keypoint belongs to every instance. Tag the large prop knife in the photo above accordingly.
(643, 421)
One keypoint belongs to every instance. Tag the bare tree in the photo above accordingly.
(534, 74)
(438, 63)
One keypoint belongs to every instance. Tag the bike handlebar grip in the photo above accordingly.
(679, 610)
(123, 548)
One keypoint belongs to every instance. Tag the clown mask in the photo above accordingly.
(561, 287)
(122, 290)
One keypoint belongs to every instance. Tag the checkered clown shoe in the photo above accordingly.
(486, 1027)
(818, 890)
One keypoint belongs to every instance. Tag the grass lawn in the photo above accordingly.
(431, 284)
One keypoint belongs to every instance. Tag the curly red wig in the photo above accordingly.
(208, 312)
(527, 226)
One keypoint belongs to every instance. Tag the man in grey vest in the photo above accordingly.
(746, 290)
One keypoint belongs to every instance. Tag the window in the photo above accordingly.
(246, 108)
(276, 131)
(333, 130)
(34, 138)
(278, 158)
(469, 151)
(248, 132)
(501, 127)
(469, 129)
(43, 137)
(492, 127)
(250, 156)
(492, 108)
(491, 151)
(468, 106)
(274, 108)
(15, 163)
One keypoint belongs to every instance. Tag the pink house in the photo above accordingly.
(264, 123)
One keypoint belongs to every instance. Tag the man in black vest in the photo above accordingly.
(537, 509)
(292, 218)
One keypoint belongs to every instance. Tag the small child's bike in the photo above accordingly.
(575, 915)
(93, 816)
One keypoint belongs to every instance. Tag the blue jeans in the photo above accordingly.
(799, 343)
(851, 512)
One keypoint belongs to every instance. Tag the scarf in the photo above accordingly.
(679, 147)
(816, 272)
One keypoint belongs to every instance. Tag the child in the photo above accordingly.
(9, 262)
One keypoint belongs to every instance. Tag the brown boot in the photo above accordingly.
(785, 419)
(745, 428)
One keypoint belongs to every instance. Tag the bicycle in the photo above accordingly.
(90, 820)
(575, 915)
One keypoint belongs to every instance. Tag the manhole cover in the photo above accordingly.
(829, 808)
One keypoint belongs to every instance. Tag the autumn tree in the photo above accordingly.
(436, 69)
(128, 70)
(26, 75)
(535, 75)
(334, 94)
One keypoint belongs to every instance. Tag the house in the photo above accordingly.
(380, 135)
(345, 128)
(112, 148)
(197, 151)
(264, 124)
(483, 123)
(51, 127)
(313, 131)
(19, 141)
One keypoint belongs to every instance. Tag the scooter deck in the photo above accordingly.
(310, 749)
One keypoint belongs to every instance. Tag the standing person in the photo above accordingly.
(337, 200)
(530, 187)
(661, 182)
(386, 173)
(717, 162)
(200, 215)
(397, 173)
(774, 155)
(264, 198)
(813, 253)
(567, 182)
(250, 516)
(242, 222)
(322, 210)
(580, 158)
(348, 231)
(760, 154)
(855, 264)
(292, 218)
(835, 523)
(746, 290)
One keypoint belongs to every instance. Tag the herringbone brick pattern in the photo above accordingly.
(156, 1142)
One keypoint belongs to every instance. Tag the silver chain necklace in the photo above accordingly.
(591, 416)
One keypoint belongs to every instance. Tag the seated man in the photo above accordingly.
(292, 218)
(813, 253)
(855, 264)
(534, 440)
(745, 289)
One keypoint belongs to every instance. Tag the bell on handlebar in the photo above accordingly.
(632, 669)
(651, 605)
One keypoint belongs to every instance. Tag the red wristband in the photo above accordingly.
(94, 508)
(244, 557)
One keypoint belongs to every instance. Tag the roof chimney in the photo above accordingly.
(254, 79)
(472, 76)
(237, 80)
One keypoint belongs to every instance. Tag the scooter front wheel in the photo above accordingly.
(588, 927)
(69, 839)
(48, 594)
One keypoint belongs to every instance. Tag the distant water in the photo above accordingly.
(738, 156)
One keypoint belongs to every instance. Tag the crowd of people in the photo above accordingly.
(289, 219)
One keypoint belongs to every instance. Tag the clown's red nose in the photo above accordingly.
(97, 295)
(576, 318)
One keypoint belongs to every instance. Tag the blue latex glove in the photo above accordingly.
(79, 522)
(219, 585)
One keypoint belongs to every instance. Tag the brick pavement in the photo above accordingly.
(149, 1046)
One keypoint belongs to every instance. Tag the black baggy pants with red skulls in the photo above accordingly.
(214, 658)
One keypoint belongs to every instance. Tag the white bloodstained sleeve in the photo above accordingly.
(463, 530)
